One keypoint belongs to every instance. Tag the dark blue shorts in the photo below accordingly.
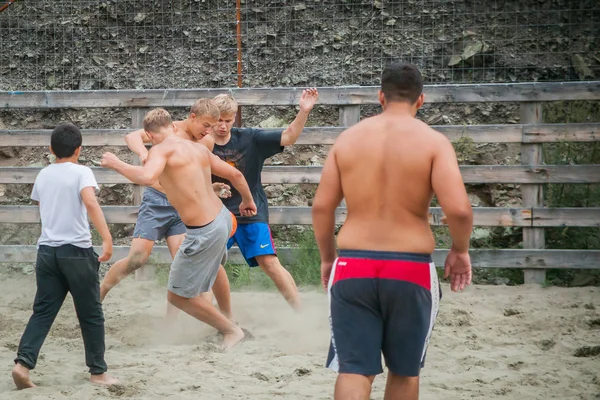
(253, 240)
(381, 302)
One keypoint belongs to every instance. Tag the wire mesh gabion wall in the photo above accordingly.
(128, 44)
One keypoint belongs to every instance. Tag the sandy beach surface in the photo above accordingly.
(490, 342)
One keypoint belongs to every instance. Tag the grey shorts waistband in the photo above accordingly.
(223, 213)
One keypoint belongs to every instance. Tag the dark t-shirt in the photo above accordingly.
(247, 151)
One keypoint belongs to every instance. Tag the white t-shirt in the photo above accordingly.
(64, 217)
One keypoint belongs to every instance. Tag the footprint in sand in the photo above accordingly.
(546, 344)
(120, 390)
(587, 351)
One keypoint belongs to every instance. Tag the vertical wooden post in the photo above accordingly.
(533, 194)
(137, 119)
(349, 115)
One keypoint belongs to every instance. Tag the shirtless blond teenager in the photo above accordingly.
(383, 287)
(183, 170)
(157, 218)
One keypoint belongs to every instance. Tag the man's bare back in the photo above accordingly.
(388, 168)
(385, 164)
(186, 180)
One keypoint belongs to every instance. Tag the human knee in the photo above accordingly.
(270, 265)
(136, 260)
(174, 299)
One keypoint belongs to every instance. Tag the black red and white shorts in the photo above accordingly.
(381, 302)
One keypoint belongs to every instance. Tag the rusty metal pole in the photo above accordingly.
(238, 6)
(5, 6)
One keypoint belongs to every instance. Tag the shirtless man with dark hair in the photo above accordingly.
(383, 286)
(183, 170)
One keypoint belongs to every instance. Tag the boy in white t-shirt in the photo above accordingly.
(66, 261)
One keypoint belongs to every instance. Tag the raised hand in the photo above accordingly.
(308, 99)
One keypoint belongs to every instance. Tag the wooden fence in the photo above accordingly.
(532, 216)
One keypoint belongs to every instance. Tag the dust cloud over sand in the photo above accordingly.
(491, 342)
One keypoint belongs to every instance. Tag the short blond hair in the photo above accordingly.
(156, 119)
(205, 108)
(226, 104)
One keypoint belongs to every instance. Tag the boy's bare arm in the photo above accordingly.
(307, 102)
(221, 169)
(97, 216)
(145, 175)
(450, 191)
(327, 198)
(135, 141)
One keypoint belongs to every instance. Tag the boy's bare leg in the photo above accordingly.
(353, 387)
(221, 285)
(222, 292)
(173, 243)
(401, 387)
(138, 255)
(20, 375)
(204, 311)
(282, 278)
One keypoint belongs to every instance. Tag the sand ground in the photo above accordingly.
(490, 342)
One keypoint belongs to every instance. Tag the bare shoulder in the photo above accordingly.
(355, 131)
(208, 141)
(201, 148)
(167, 146)
(178, 125)
(435, 137)
(440, 144)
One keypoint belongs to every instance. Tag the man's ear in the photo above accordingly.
(420, 101)
(381, 97)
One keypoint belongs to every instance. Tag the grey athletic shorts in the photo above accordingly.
(157, 218)
(196, 263)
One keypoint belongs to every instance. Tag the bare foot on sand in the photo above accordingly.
(20, 375)
(232, 338)
(103, 379)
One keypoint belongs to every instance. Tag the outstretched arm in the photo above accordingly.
(145, 175)
(307, 102)
(327, 198)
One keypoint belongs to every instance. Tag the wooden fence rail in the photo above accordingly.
(341, 96)
(530, 133)
(475, 174)
(481, 258)
(511, 133)
(294, 215)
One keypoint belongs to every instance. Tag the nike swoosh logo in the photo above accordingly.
(262, 246)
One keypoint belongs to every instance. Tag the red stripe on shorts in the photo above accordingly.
(363, 268)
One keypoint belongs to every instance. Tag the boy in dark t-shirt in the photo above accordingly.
(247, 149)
